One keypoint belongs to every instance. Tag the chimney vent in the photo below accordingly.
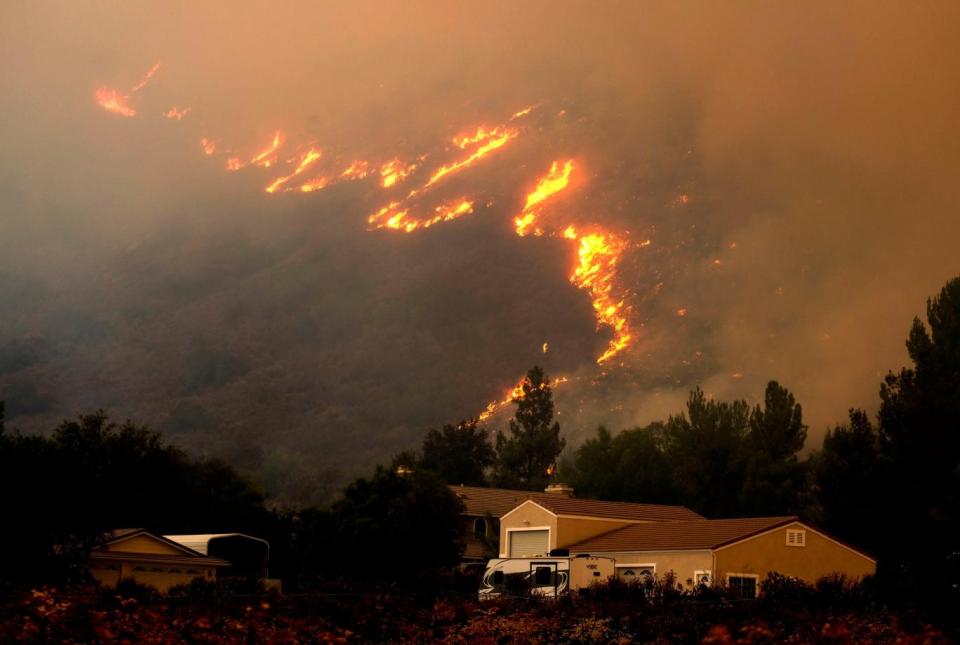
(559, 489)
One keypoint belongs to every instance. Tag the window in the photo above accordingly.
(796, 537)
(543, 576)
(642, 572)
(480, 527)
(743, 585)
(702, 577)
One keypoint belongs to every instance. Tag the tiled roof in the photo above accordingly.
(500, 501)
(696, 534)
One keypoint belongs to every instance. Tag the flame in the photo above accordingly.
(464, 141)
(114, 101)
(513, 395)
(209, 146)
(493, 143)
(545, 347)
(399, 220)
(308, 158)
(394, 171)
(265, 158)
(356, 170)
(176, 113)
(598, 253)
(318, 183)
(519, 114)
(556, 180)
(146, 79)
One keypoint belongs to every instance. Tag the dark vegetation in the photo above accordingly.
(889, 485)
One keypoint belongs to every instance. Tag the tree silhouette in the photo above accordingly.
(534, 442)
(458, 454)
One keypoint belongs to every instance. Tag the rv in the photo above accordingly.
(543, 576)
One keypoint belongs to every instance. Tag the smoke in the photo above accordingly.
(794, 168)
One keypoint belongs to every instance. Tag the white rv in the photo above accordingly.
(543, 576)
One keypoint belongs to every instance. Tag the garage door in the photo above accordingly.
(524, 544)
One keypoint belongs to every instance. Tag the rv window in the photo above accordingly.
(498, 577)
(543, 576)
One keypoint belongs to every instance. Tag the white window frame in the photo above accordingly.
(638, 565)
(701, 572)
(755, 576)
(799, 535)
(506, 553)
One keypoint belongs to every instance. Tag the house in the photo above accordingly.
(149, 559)
(546, 522)
(485, 506)
(165, 561)
(650, 540)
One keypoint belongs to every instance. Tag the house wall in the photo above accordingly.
(769, 552)
(682, 563)
(571, 530)
(161, 576)
(527, 515)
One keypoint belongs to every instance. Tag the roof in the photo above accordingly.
(684, 535)
(119, 535)
(200, 542)
(498, 502)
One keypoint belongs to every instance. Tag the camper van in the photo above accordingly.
(544, 576)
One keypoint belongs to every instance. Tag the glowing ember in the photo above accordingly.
(176, 113)
(522, 113)
(209, 146)
(308, 158)
(318, 183)
(545, 347)
(682, 311)
(146, 79)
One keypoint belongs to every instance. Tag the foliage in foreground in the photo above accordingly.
(50, 615)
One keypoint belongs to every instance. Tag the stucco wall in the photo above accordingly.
(682, 563)
(527, 515)
(769, 552)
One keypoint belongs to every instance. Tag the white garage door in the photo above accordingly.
(524, 544)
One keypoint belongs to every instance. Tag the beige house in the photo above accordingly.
(551, 521)
(483, 508)
(149, 559)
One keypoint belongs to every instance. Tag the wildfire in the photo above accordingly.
(522, 113)
(318, 183)
(209, 146)
(598, 253)
(495, 140)
(265, 158)
(116, 102)
(399, 220)
(556, 180)
(176, 113)
(515, 394)
(308, 158)
(356, 170)
(394, 171)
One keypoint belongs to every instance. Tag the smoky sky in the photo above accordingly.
(817, 146)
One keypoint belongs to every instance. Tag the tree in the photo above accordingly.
(630, 467)
(525, 456)
(846, 481)
(920, 431)
(706, 448)
(777, 430)
(458, 454)
(774, 479)
(415, 516)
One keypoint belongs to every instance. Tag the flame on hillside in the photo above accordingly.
(515, 394)
(117, 102)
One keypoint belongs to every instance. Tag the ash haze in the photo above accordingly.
(795, 169)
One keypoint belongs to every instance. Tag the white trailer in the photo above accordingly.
(543, 576)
